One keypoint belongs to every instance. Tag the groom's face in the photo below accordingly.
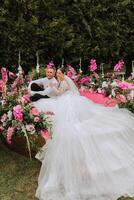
(50, 73)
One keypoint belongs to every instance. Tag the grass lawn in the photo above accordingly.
(18, 176)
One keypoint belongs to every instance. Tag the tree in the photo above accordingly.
(65, 28)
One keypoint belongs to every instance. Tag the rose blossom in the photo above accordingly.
(18, 113)
(34, 111)
(121, 98)
(45, 134)
(30, 128)
(36, 119)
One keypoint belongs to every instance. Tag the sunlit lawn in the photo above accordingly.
(18, 176)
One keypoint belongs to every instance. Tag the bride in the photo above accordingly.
(91, 154)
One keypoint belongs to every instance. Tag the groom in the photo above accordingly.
(40, 88)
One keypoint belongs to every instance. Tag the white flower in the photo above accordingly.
(114, 84)
(92, 83)
(132, 74)
(99, 90)
(104, 84)
(132, 94)
(113, 92)
(9, 114)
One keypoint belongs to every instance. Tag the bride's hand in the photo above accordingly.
(51, 85)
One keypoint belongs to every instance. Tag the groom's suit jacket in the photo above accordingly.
(44, 82)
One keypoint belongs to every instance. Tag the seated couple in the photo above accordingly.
(44, 87)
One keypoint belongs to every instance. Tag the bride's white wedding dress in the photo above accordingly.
(91, 154)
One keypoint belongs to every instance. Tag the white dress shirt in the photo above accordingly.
(45, 82)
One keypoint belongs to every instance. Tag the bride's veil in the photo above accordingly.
(72, 86)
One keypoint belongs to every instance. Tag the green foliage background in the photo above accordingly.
(65, 28)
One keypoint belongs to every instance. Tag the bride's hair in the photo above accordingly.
(62, 69)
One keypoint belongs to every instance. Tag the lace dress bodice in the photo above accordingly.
(62, 88)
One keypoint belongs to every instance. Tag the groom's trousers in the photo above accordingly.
(36, 96)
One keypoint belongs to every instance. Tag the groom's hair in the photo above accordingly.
(51, 68)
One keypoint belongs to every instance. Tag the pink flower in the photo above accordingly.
(119, 65)
(18, 113)
(76, 78)
(69, 74)
(125, 85)
(103, 92)
(71, 69)
(14, 87)
(1, 85)
(4, 74)
(45, 134)
(3, 118)
(93, 65)
(121, 98)
(96, 75)
(85, 79)
(30, 128)
(25, 99)
(36, 119)
(21, 80)
(35, 111)
(11, 75)
(50, 65)
(10, 133)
